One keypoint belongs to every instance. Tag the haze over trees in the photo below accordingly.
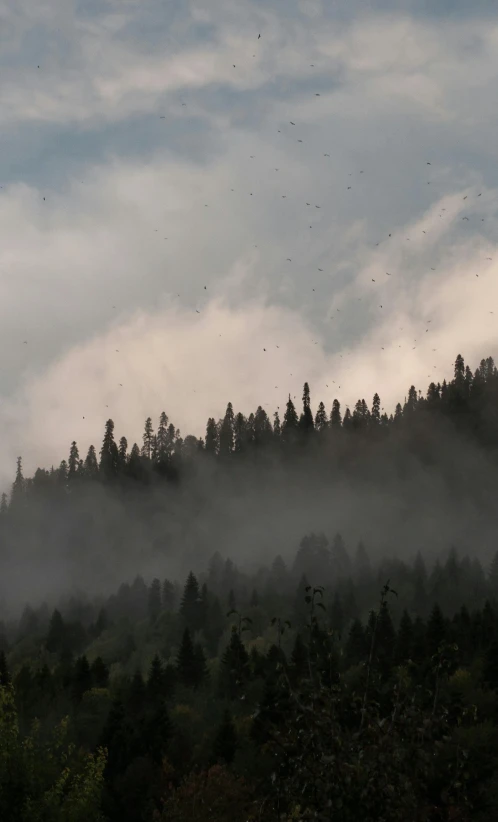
(291, 619)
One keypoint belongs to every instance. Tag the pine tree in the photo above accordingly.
(375, 413)
(404, 639)
(436, 630)
(335, 415)
(493, 577)
(299, 658)
(362, 565)
(490, 667)
(56, 633)
(82, 678)
(62, 474)
(211, 437)
(190, 609)
(239, 428)
(226, 432)
(411, 402)
(18, 487)
(187, 665)
(135, 462)
(235, 670)
(4, 505)
(136, 695)
(147, 439)
(225, 743)
(348, 420)
(122, 454)
(168, 596)
(356, 649)
(156, 680)
(162, 444)
(336, 615)
(306, 420)
(459, 371)
(99, 673)
(290, 423)
(277, 428)
(4, 671)
(340, 561)
(91, 467)
(73, 462)
(154, 604)
(321, 421)
(109, 453)
(201, 669)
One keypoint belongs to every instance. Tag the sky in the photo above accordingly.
(191, 214)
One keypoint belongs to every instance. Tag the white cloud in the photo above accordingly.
(394, 93)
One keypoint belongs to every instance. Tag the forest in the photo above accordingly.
(291, 618)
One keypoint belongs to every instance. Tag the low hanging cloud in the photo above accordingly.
(289, 172)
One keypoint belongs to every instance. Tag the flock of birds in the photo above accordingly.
(310, 205)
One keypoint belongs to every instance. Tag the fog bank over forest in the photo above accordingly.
(422, 479)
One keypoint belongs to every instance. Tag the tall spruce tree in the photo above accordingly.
(109, 453)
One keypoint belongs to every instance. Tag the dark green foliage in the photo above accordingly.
(225, 743)
(4, 671)
(154, 603)
(235, 671)
(191, 608)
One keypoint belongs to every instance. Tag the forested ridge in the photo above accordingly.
(289, 619)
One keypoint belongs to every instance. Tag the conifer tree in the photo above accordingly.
(436, 630)
(91, 468)
(493, 576)
(211, 437)
(340, 561)
(226, 432)
(18, 487)
(168, 597)
(136, 695)
(235, 670)
(73, 462)
(109, 453)
(134, 462)
(290, 423)
(404, 639)
(190, 608)
(299, 658)
(154, 604)
(99, 673)
(147, 439)
(335, 415)
(201, 669)
(362, 565)
(225, 743)
(277, 428)
(5, 679)
(56, 633)
(321, 421)
(156, 680)
(162, 440)
(239, 427)
(187, 665)
(122, 454)
(306, 420)
(375, 413)
(356, 649)
(82, 678)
